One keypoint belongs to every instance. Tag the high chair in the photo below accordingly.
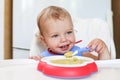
(85, 30)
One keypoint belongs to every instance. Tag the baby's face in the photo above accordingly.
(59, 35)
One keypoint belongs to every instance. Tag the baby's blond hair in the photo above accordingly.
(53, 12)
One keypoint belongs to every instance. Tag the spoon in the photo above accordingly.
(70, 54)
(84, 49)
(74, 53)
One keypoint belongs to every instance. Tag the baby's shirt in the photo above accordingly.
(80, 51)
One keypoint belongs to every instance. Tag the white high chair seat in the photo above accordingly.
(85, 30)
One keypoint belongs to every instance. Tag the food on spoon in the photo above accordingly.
(68, 54)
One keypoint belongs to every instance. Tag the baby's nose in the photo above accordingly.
(63, 38)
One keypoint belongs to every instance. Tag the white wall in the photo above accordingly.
(24, 20)
(1, 28)
(25, 13)
(88, 8)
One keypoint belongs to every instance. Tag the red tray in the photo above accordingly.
(67, 71)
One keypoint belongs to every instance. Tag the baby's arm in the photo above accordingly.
(88, 54)
(37, 58)
(100, 47)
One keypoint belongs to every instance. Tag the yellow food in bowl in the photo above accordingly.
(69, 59)
(73, 60)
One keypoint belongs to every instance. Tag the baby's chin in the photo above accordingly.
(63, 52)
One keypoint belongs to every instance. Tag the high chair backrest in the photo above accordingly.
(85, 30)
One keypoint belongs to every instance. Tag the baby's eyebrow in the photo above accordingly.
(70, 29)
(51, 34)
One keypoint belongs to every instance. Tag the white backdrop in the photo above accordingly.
(26, 11)
(1, 29)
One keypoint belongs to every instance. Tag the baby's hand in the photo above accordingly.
(37, 58)
(97, 45)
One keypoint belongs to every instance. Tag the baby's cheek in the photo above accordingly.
(73, 40)
(53, 44)
(73, 37)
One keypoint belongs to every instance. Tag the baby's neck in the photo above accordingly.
(52, 52)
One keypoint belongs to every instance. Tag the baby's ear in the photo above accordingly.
(39, 36)
(42, 39)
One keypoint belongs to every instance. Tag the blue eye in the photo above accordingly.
(54, 36)
(69, 32)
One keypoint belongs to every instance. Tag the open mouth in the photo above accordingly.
(65, 47)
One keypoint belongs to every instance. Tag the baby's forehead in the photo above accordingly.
(49, 22)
